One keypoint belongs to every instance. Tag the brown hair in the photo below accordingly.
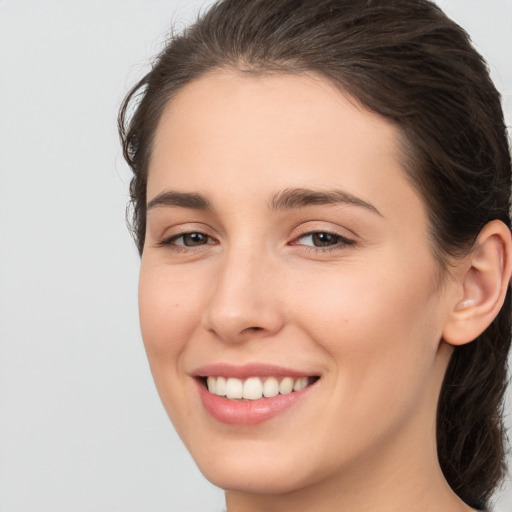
(407, 61)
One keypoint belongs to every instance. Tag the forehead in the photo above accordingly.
(274, 132)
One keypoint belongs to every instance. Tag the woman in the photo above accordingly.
(321, 201)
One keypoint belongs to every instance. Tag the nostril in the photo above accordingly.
(253, 329)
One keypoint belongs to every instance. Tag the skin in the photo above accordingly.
(367, 316)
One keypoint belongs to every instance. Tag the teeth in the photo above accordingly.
(271, 387)
(255, 388)
(286, 386)
(234, 388)
(220, 386)
(211, 384)
(300, 384)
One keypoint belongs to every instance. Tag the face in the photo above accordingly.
(286, 248)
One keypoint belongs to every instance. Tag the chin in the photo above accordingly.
(254, 479)
(257, 467)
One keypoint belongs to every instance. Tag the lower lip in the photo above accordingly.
(248, 412)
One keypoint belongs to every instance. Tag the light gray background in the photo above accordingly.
(81, 426)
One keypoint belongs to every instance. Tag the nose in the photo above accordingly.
(244, 299)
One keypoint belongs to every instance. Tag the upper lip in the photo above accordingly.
(249, 370)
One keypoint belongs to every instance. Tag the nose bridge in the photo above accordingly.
(243, 301)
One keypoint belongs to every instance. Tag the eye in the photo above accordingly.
(192, 239)
(323, 239)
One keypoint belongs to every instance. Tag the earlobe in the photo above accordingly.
(483, 283)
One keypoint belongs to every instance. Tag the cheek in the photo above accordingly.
(380, 329)
(382, 342)
(169, 314)
(168, 310)
(365, 299)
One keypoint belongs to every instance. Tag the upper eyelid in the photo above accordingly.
(311, 231)
(309, 227)
(183, 228)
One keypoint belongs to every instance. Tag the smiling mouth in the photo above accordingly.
(255, 388)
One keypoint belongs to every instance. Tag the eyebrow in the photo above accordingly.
(301, 197)
(289, 199)
(181, 200)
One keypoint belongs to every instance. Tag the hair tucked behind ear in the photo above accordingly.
(405, 60)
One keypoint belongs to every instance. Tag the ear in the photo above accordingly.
(481, 283)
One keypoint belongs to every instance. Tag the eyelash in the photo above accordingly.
(170, 241)
(341, 242)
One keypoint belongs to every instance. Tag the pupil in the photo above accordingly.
(324, 239)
